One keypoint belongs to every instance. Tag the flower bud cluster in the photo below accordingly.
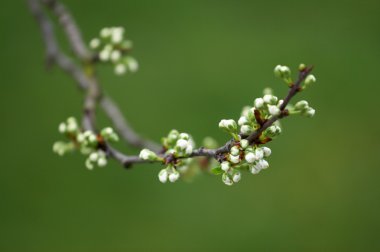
(264, 108)
(97, 157)
(86, 142)
(169, 173)
(112, 47)
(242, 156)
(178, 146)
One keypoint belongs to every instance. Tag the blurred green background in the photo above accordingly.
(201, 61)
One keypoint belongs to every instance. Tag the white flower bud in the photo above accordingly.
(94, 157)
(173, 135)
(242, 120)
(310, 112)
(270, 99)
(120, 69)
(259, 102)
(273, 131)
(262, 164)
(105, 32)
(182, 144)
(226, 179)
(163, 176)
(102, 162)
(92, 138)
(94, 43)
(104, 55)
(235, 151)
(236, 177)
(189, 149)
(115, 55)
(89, 164)
(273, 110)
(72, 127)
(245, 111)
(254, 170)
(244, 143)
(133, 65)
(146, 154)
(234, 159)
(184, 136)
(250, 157)
(107, 131)
(259, 153)
(62, 128)
(117, 35)
(246, 129)
(225, 166)
(267, 91)
(228, 124)
(80, 138)
(310, 79)
(301, 105)
(173, 177)
(267, 151)
(277, 70)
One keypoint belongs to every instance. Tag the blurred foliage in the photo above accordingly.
(321, 192)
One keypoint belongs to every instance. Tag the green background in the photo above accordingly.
(201, 61)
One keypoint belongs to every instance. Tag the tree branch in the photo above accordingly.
(55, 56)
(87, 82)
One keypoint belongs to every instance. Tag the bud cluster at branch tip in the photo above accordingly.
(87, 142)
(178, 149)
(112, 47)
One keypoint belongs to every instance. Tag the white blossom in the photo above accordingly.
(259, 102)
(234, 159)
(236, 177)
(173, 177)
(226, 179)
(310, 112)
(262, 164)
(163, 176)
(254, 170)
(115, 55)
(146, 154)
(133, 65)
(120, 69)
(242, 120)
(182, 144)
(225, 166)
(94, 156)
(267, 151)
(228, 124)
(273, 110)
(62, 128)
(244, 143)
(250, 157)
(189, 149)
(105, 32)
(235, 151)
(102, 162)
(310, 79)
(117, 34)
(246, 129)
(94, 43)
(259, 153)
